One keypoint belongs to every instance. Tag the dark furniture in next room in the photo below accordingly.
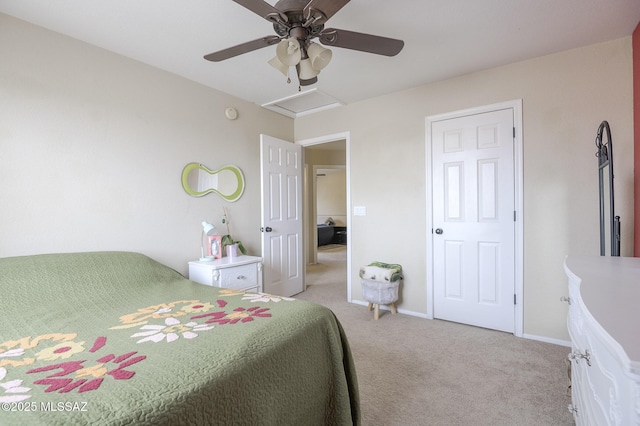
(330, 234)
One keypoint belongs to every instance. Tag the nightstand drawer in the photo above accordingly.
(240, 277)
(239, 273)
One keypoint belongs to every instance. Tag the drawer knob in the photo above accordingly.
(577, 356)
(565, 299)
(242, 277)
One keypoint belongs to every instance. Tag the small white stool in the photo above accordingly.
(380, 293)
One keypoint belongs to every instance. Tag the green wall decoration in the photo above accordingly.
(227, 181)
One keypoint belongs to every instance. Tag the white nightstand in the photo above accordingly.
(238, 273)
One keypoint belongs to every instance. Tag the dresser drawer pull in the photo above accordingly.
(241, 277)
(577, 356)
(565, 299)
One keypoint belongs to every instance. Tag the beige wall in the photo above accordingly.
(92, 146)
(565, 98)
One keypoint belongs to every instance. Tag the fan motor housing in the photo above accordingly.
(294, 10)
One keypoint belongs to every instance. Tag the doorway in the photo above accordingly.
(474, 166)
(324, 156)
(327, 197)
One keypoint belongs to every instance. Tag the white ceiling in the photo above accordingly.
(443, 38)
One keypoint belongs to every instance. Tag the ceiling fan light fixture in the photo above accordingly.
(275, 62)
(306, 71)
(319, 56)
(288, 52)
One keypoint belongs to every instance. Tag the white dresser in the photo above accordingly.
(604, 325)
(238, 273)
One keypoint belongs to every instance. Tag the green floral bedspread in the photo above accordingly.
(117, 338)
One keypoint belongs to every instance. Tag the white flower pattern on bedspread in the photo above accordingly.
(264, 297)
(171, 331)
(12, 390)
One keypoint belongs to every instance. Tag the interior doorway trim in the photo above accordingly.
(516, 105)
(346, 136)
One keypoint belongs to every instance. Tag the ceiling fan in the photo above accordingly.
(297, 23)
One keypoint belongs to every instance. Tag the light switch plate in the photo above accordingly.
(359, 211)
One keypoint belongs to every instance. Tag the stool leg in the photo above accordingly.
(376, 314)
(370, 306)
(393, 308)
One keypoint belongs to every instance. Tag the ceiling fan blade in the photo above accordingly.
(249, 46)
(264, 9)
(360, 41)
(327, 7)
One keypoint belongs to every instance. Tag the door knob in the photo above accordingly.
(267, 229)
(439, 231)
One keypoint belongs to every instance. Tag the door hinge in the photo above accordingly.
(514, 216)
(514, 132)
(514, 299)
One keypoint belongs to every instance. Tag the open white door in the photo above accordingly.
(281, 183)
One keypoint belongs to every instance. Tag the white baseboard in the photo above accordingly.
(421, 315)
(547, 340)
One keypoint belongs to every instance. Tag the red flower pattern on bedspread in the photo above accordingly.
(58, 382)
(238, 315)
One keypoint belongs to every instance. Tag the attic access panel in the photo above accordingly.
(304, 103)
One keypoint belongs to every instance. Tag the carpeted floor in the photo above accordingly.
(413, 371)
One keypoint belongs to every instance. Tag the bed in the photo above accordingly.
(118, 338)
